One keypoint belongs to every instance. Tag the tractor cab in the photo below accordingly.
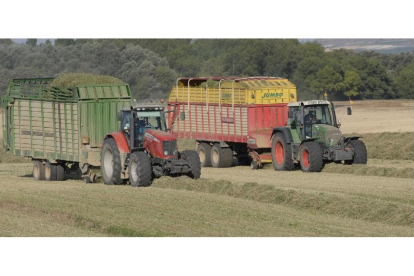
(145, 119)
(314, 120)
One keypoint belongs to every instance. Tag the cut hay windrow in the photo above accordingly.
(355, 207)
(74, 79)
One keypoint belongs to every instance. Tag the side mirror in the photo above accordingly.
(182, 116)
(349, 110)
(120, 116)
(339, 123)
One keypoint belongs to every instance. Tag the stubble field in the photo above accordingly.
(372, 200)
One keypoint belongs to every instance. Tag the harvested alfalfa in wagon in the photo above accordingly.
(74, 79)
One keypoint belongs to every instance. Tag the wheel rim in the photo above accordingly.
(202, 156)
(305, 158)
(279, 153)
(215, 156)
(108, 163)
(134, 174)
(47, 171)
(36, 171)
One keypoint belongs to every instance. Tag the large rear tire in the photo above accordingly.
(111, 163)
(204, 153)
(221, 157)
(281, 153)
(360, 152)
(194, 161)
(50, 172)
(140, 171)
(311, 157)
(38, 170)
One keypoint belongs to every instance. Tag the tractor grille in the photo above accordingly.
(168, 147)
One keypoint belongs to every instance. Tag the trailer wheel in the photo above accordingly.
(50, 172)
(60, 172)
(38, 170)
(194, 161)
(311, 157)
(360, 152)
(254, 165)
(281, 154)
(111, 163)
(140, 171)
(221, 157)
(204, 153)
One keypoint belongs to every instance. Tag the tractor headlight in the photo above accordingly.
(165, 152)
(331, 140)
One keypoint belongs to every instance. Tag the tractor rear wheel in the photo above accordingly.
(38, 170)
(360, 152)
(204, 153)
(281, 153)
(50, 172)
(140, 171)
(111, 163)
(311, 157)
(194, 161)
(221, 157)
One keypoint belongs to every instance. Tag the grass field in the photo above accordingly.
(372, 200)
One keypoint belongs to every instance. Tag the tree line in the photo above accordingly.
(151, 66)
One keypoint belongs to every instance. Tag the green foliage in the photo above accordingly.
(32, 42)
(71, 80)
(151, 66)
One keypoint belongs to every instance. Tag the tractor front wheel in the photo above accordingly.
(194, 161)
(360, 152)
(311, 157)
(140, 171)
(281, 153)
(110, 163)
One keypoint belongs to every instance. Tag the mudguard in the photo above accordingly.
(285, 131)
(120, 140)
(347, 139)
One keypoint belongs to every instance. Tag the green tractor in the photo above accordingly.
(312, 138)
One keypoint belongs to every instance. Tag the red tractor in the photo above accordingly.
(143, 149)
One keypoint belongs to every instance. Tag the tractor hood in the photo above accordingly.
(153, 134)
(327, 134)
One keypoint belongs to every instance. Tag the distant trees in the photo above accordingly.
(151, 66)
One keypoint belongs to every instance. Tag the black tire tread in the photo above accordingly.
(41, 167)
(315, 157)
(60, 172)
(116, 176)
(225, 156)
(144, 169)
(53, 172)
(288, 164)
(207, 152)
(360, 156)
(194, 161)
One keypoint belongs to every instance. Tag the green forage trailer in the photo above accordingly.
(60, 129)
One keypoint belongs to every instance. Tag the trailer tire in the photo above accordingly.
(50, 172)
(111, 163)
(194, 161)
(281, 153)
(204, 153)
(360, 152)
(60, 172)
(311, 157)
(221, 157)
(140, 171)
(38, 170)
